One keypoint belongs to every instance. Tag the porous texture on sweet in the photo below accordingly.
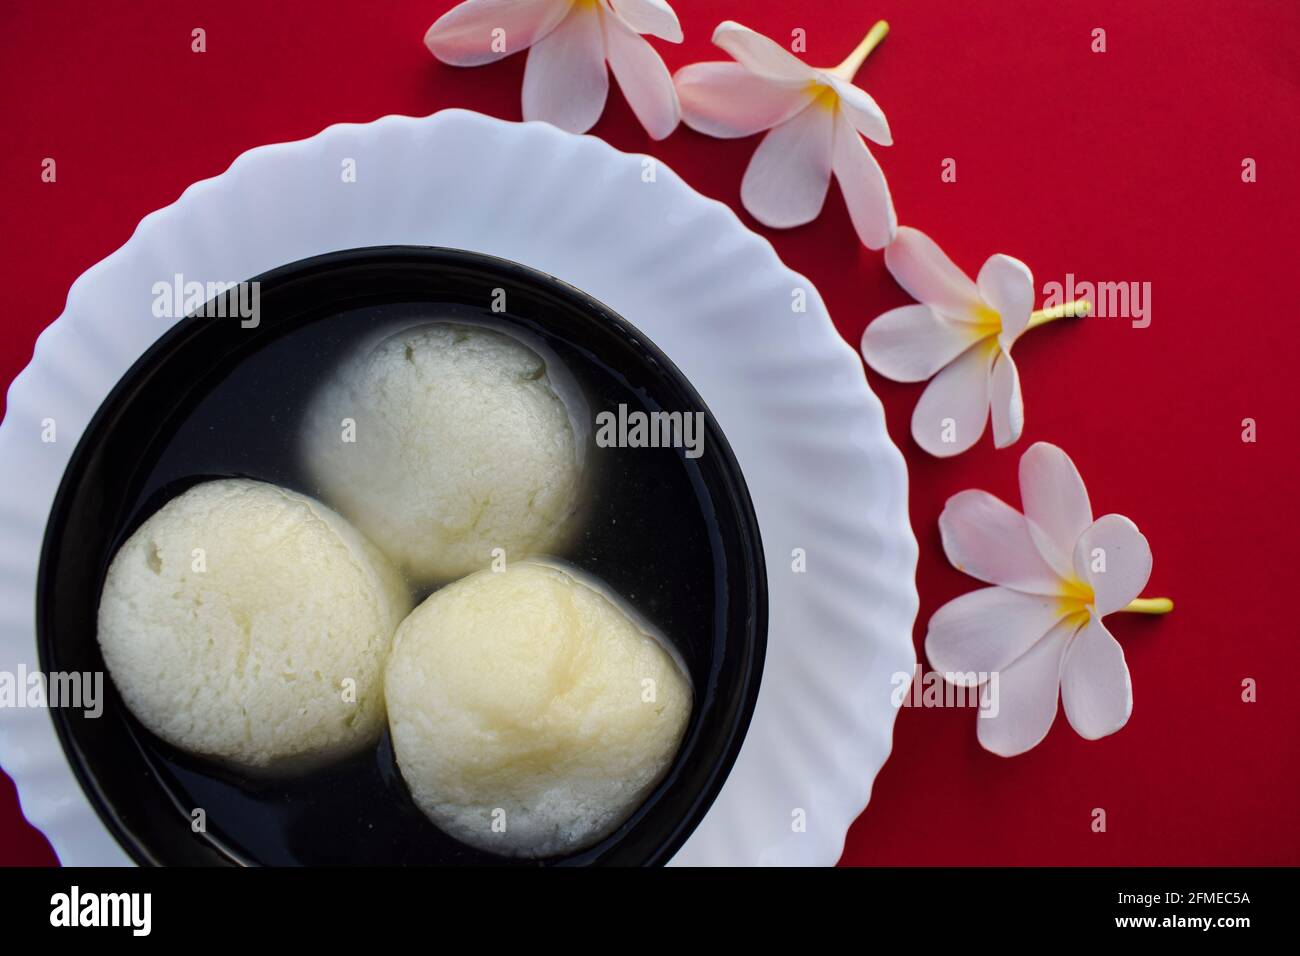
(530, 714)
(251, 624)
(460, 445)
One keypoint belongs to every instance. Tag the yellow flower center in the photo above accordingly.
(823, 95)
(1076, 597)
(987, 320)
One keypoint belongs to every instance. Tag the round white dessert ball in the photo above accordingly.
(446, 442)
(530, 714)
(251, 624)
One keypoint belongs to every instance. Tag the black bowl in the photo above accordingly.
(217, 397)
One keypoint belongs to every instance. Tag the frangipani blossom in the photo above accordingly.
(961, 334)
(816, 120)
(1056, 574)
(569, 42)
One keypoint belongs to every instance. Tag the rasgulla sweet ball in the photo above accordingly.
(251, 624)
(530, 714)
(445, 442)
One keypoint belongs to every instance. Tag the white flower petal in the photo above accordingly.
(918, 264)
(1114, 557)
(1095, 684)
(654, 17)
(985, 537)
(1018, 710)
(863, 184)
(786, 182)
(761, 55)
(463, 36)
(642, 76)
(1006, 404)
(727, 101)
(986, 631)
(565, 80)
(862, 111)
(1055, 502)
(954, 408)
(1007, 286)
(912, 342)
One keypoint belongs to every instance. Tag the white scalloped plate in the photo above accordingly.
(788, 392)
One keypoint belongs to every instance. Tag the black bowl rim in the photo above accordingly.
(440, 256)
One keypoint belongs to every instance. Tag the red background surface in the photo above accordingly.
(1122, 166)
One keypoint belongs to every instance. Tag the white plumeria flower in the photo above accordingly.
(1056, 573)
(963, 331)
(569, 42)
(814, 116)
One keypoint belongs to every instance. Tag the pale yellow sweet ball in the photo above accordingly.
(251, 624)
(530, 714)
(444, 443)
